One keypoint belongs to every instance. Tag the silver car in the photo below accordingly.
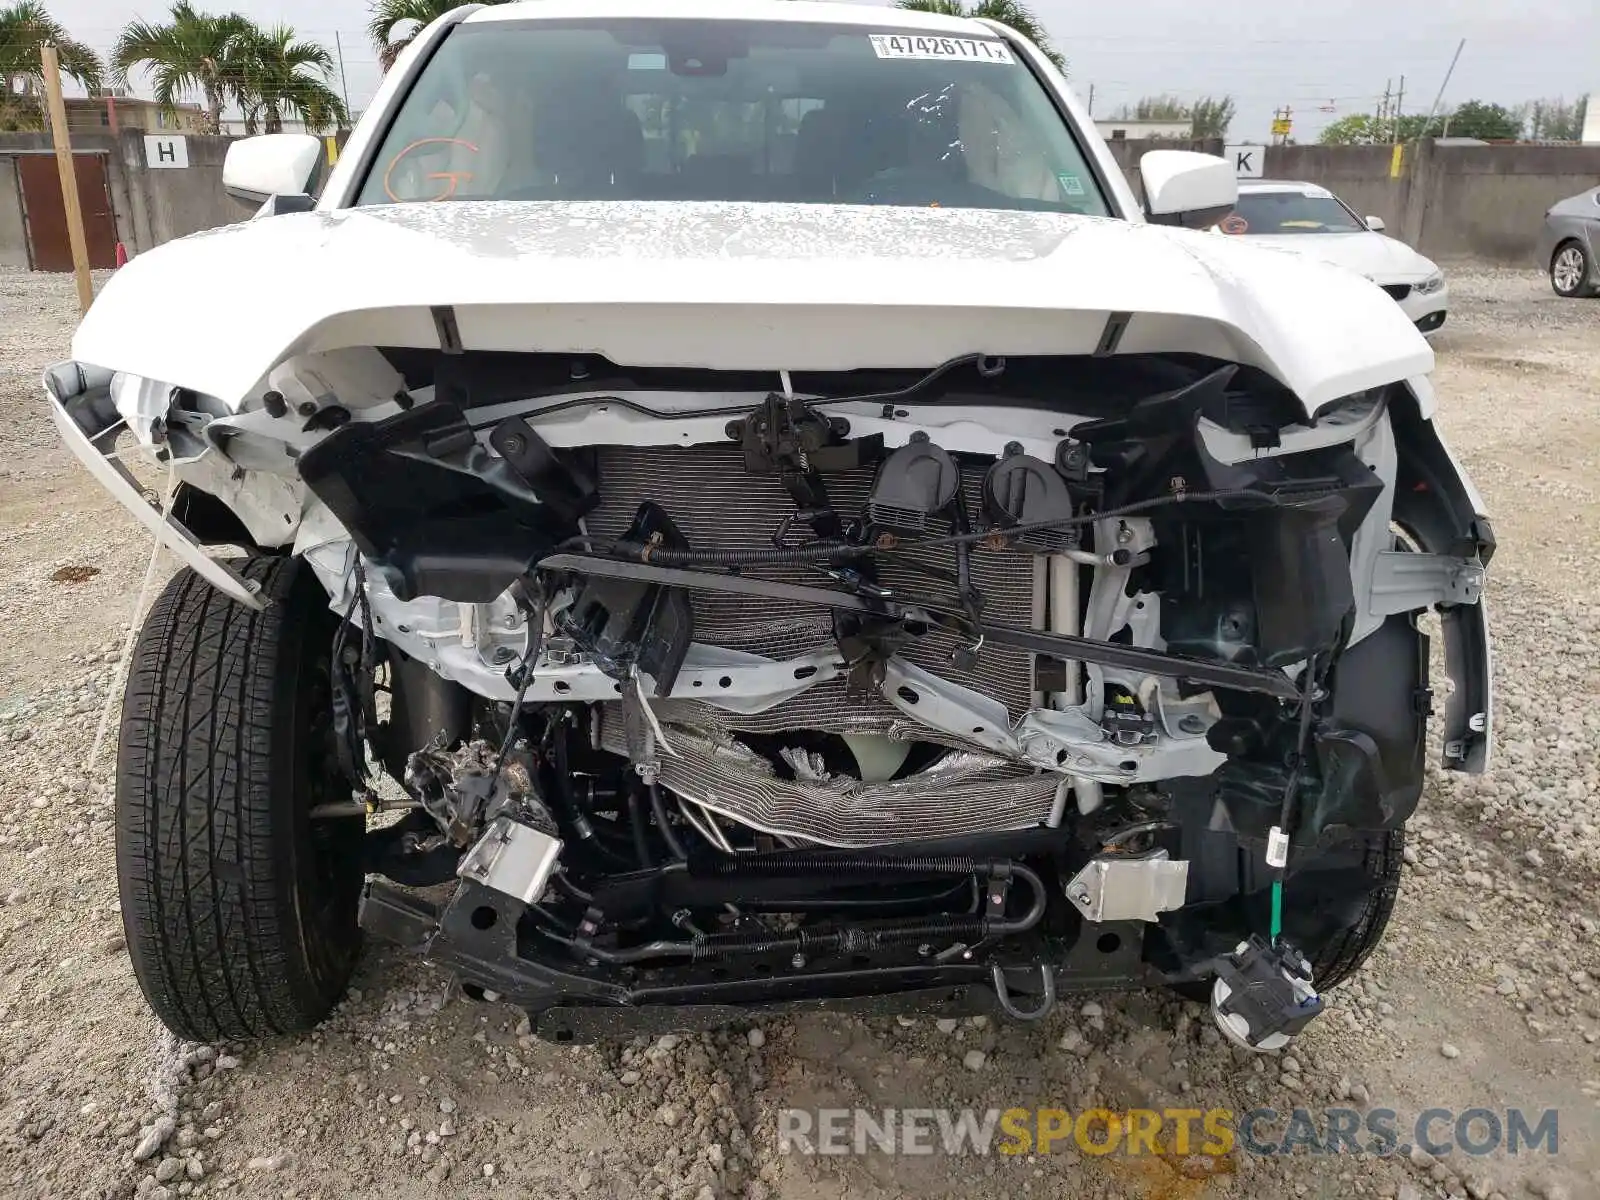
(1570, 244)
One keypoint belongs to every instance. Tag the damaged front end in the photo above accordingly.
(962, 687)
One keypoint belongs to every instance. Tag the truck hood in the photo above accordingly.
(734, 287)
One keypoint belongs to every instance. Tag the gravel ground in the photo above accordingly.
(1484, 993)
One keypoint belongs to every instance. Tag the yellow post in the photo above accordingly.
(69, 176)
(1397, 160)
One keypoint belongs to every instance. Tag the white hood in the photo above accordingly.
(734, 286)
(1379, 258)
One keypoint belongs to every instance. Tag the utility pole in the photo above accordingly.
(51, 64)
(1399, 101)
(1460, 46)
(1091, 99)
(1282, 125)
(344, 84)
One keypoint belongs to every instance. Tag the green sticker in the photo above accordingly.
(1071, 185)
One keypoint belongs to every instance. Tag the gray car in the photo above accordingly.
(1570, 244)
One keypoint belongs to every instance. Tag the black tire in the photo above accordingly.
(1340, 956)
(240, 911)
(1583, 287)
(1337, 927)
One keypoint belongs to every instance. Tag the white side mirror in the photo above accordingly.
(273, 164)
(1376, 224)
(1182, 187)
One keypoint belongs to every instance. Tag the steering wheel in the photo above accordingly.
(413, 171)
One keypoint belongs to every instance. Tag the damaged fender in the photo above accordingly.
(81, 408)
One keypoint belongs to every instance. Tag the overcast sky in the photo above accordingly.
(1266, 53)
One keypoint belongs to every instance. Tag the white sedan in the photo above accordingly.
(1311, 220)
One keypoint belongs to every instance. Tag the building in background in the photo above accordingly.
(113, 109)
(1116, 129)
(234, 126)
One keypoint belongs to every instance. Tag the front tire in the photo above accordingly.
(1334, 913)
(240, 911)
(1342, 947)
(1571, 271)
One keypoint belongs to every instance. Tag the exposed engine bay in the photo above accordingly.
(708, 689)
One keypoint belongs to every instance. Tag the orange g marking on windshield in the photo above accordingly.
(453, 178)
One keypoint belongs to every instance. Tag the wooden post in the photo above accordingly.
(69, 175)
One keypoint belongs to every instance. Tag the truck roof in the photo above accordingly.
(800, 11)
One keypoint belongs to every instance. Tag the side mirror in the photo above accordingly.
(1376, 224)
(1184, 188)
(272, 164)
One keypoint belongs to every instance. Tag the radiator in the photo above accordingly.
(716, 504)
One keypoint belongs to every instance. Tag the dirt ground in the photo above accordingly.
(1484, 995)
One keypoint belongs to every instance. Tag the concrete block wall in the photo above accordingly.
(13, 232)
(1488, 202)
(151, 206)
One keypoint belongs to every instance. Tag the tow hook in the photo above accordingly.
(1002, 994)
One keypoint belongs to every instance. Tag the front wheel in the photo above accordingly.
(1571, 270)
(240, 910)
(1353, 919)
(1336, 909)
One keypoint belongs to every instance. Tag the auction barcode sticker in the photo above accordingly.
(905, 45)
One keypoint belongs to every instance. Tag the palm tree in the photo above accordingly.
(271, 75)
(188, 53)
(25, 27)
(388, 16)
(1008, 12)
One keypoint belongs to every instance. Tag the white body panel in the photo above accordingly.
(297, 303)
(739, 286)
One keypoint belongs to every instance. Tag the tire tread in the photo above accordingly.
(205, 811)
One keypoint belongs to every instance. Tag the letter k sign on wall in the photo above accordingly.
(166, 150)
(1249, 162)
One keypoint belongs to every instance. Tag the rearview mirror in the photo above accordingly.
(1376, 224)
(272, 164)
(1184, 188)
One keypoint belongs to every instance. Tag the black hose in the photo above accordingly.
(940, 892)
(789, 864)
(741, 410)
(633, 954)
(571, 816)
(571, 890)
(806, 862)
(636, 824)
(851, 939)
(848, 939)
(658, 806)
(1291, 787)
(544, 914)
(831, 548)
(530, 659)
(663, 557)
(1124, 510)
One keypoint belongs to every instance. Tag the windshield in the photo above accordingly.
(1291, 212)
(728, 110)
